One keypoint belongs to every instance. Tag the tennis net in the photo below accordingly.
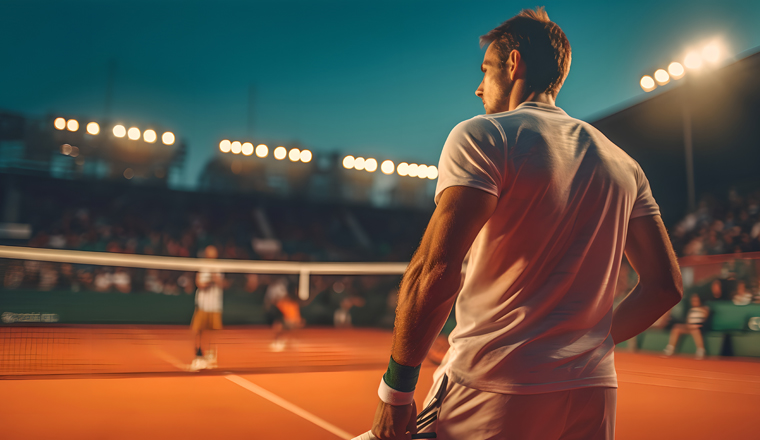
(73, 313)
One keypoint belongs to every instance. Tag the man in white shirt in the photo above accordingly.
(208, 312)
(548, 206)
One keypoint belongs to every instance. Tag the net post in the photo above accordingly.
(303, 285)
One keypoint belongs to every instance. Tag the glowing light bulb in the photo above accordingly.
(119, 131)
(262, 150)
(236, 147)
(647, 83)
(93, 128)
(387, 167)
(224, 146)
(59, 123)
(72, 125)
(403, 169)
(412, 170)
(294, 155)
(432, 172)
(247, 149)
(280, 153)
(133, 133)
(168, 138)
(149, 136)
(676, 70)
(306, 156)
(359, 163)
(422, 171)
(370, 165)
(348, 162)
(661, 76)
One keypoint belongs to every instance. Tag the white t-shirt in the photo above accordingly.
(535, 310)
(209, 299)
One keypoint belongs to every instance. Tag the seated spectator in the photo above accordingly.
(695, 319)
(716, 291)
(102, 281)
(122, 280)
(153, 282)
(742, 296)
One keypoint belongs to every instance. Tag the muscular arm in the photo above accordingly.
(659, 289)
(432, 280)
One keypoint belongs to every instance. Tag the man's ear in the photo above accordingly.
(516, 65)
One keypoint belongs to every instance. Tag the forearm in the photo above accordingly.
(425, 302)
(639, 310)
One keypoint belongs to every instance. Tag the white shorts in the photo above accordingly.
(454, 411)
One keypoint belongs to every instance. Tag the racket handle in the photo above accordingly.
(370, 436)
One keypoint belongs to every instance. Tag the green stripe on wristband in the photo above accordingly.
(401, 377)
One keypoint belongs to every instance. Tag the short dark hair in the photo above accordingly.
(542, 45)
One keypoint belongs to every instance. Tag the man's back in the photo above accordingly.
(535, 310)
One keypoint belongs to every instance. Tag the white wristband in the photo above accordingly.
(394, 397)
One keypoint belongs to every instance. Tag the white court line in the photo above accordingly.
(277, 400)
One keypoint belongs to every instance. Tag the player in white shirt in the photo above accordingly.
(208, 312)
(548, 206)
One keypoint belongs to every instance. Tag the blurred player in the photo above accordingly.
(548, 205)
(208, 313)
(283, 311)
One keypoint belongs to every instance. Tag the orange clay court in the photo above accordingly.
(111, 382)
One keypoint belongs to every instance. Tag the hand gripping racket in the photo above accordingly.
(424, 418)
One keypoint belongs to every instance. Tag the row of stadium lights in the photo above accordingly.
(119, 131)
(262, 151)
(388, 167)
(349, 162)
(710, 54)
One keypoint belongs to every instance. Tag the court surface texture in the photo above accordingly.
(323, 386)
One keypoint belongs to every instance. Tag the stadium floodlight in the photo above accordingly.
(306, 156)
(370, 165)
(403, 169)
(133, 133)
(432, 172)
(294, 155)
(59, 123)
(93, 128)
(412, 170)
(224, 146)
(693, 60)
(348, 162)
(676, 70)
(661, 76)
(168, 138)
(280, 153)
(422, 171)
(247, 149)
(712, 53)
(119, 131)
(647, 83)
(236, 147)
(387, 167)
(72, 125)
(359, 163)
(66, 149)
(262, 150)
(149, 136)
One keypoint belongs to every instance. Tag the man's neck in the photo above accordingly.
(520, 94)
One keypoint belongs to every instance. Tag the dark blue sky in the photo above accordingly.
(387, 79)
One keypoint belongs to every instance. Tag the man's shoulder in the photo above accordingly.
(478, 127)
